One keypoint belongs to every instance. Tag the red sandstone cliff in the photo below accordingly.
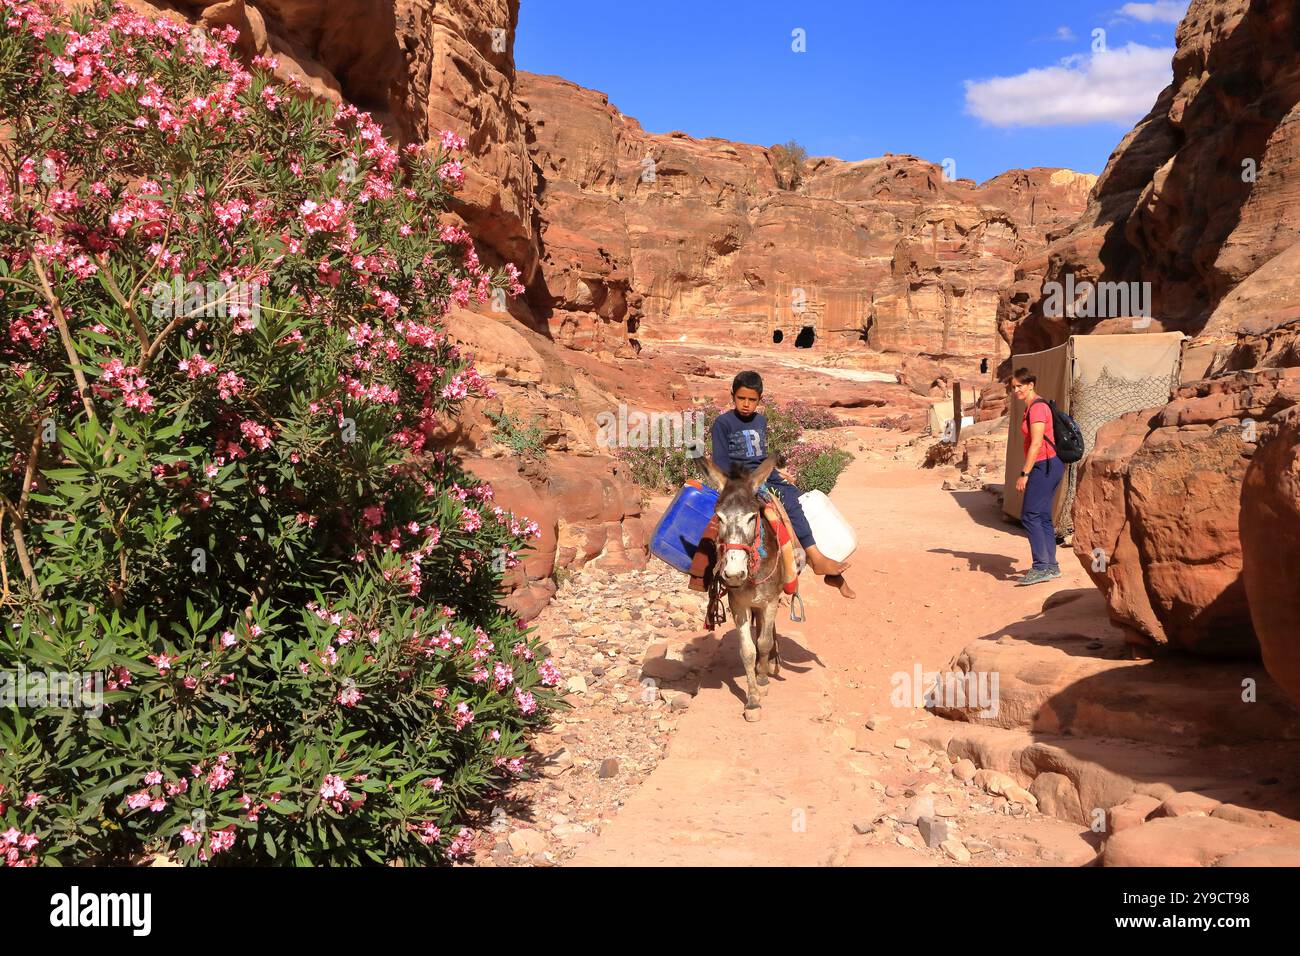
(663, 236)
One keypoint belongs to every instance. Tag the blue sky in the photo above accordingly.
(993, 85)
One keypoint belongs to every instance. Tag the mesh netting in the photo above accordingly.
(1105, 400)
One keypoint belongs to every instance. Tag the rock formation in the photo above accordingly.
(674, 238)
(1193, 507)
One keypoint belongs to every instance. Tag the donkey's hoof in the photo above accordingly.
(753, 714)
(761, 679)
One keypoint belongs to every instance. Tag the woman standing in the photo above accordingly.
(1038, 479)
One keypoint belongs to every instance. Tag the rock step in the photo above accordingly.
(1065, 672)
(1081, 779)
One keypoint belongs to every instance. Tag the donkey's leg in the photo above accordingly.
(766, 645)
(745, 628)
(762, 623)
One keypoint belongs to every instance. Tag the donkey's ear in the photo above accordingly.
(762, 472)
(713, 471)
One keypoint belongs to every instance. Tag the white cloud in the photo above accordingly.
(1064, 33)
(1115, 86)
(1161, 11)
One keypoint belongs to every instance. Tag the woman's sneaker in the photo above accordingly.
(1034, 576)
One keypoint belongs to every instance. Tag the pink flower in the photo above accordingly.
(222, 839)
(138, 800)
(162, 661)
(153, 777)
(196, 365)
(189, 836)
(258, 435)
(462, 844)
(229, 385)
(322, 218)
(527, 704)
(220, 775)
(502, 676)
(470, 519)
(453, 173)
(550, 674)
(349, 697)
(427, 831)
(463, 715)
(333, 787)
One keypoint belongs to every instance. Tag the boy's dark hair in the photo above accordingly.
(1025, 377)
(749, 379)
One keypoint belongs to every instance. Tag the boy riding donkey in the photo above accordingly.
(740, 443)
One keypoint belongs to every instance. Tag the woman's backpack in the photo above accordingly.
(1069, 438)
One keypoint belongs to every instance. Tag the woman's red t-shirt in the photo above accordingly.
(1040, 412)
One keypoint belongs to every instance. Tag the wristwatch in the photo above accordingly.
(1024, 474)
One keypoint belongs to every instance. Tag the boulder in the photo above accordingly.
(1057, 797)
(1182, 841)
(1133, 812)
(1157, 515)
(1270, 538)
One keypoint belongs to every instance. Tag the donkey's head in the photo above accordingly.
(739, 531)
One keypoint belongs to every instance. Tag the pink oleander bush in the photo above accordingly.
(228, 504)
(811, 417)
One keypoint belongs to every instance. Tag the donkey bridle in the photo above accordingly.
(754, 559)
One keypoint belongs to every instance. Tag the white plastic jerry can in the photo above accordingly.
(834, 535)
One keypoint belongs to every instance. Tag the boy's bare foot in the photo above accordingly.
(824, 566)
(837, 581)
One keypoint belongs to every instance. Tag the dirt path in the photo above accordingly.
(934, 571)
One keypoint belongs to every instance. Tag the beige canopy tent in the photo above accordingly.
(1095, 378)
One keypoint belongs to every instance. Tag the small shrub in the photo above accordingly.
(788, 160)
(816, 466)
(526, 440)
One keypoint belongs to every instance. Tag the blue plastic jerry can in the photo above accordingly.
(678, 532)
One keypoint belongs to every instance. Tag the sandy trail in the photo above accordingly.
(933, 572)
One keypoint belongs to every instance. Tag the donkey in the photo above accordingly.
(753, 583)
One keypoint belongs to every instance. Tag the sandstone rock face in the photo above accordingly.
(663, 236)
(587, 505)
(1196, 198)
(1270, 531)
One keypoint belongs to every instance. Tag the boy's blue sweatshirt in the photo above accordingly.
(740, 440)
